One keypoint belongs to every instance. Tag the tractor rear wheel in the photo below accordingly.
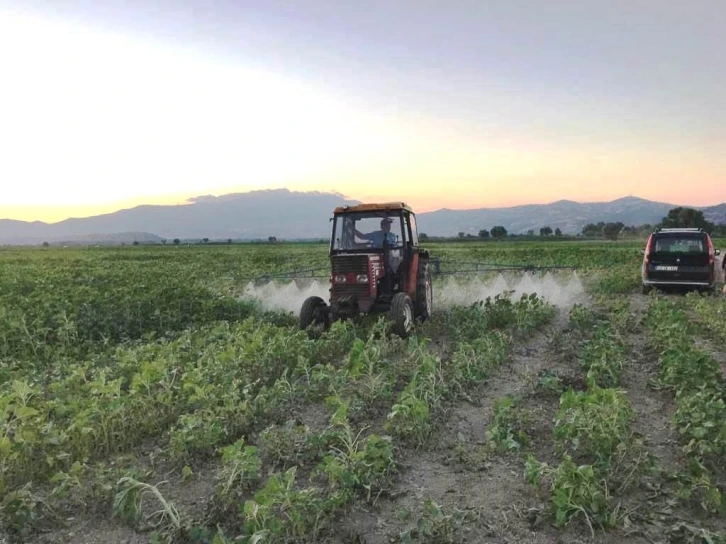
(424, 292)
(402, 314)
(311, 313)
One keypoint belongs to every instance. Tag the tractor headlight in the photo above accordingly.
(340, 278)
(362, 278)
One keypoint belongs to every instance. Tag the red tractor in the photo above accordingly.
(377, 266)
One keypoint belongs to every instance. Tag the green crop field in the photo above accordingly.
(147, 396)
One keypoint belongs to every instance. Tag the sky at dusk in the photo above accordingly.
(108, 104)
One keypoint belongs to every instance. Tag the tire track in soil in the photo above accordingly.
(508, 507)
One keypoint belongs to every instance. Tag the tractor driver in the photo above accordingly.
(377, 236)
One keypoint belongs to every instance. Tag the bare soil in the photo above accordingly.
(95, 531)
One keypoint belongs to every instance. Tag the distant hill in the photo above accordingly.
(257, 214)
(566, 215)
(716, 214)
(294, 215)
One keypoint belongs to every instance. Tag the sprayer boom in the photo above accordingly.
(378, 265)
(438, 267)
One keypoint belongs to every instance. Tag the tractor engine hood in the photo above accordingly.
(354, 280)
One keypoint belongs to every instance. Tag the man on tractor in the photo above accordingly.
(392, 256)
(378, 236)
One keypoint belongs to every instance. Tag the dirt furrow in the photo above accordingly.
(458, 472)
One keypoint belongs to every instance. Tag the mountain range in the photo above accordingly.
(304, 215)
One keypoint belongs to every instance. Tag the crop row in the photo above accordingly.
(212, 388)
(698, 385)
(481, 345)
(203, 389)
(710, 314)
(360, 464)
(592, 431)
(66, 317)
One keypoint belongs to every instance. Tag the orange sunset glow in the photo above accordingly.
(98, 119)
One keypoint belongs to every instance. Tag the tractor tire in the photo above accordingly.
(424, 292)
(310, 313)
(402, 314)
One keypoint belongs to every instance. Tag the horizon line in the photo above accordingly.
(192, 200)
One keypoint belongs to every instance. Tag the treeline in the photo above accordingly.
(613, 231)
(680, 217)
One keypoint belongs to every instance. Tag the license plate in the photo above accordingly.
(666, 268)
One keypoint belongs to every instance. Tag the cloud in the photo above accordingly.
(115, 118)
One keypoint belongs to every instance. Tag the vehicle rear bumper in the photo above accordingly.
(685, 283)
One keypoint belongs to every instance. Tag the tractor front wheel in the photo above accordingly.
(424, 292)
(312, 313)
(402, 314)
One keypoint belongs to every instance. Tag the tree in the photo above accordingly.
(558, 232)
(205, 240)
(461, 235)
(423, 236)
(545, 231)
(45, 244)
(612, 230)
(592, 229)
(272, 239)
(686, 218)
(499, 232)
(229, 240)
(530, 232)
(177, 241)
(163, 241)
(136, 242)
(483, 233)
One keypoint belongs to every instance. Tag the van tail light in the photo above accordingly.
(646, 256)
(711, 252)
(647, 250)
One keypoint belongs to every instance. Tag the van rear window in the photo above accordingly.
(680, 245)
